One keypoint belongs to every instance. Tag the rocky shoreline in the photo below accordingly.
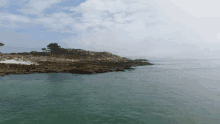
(76, 68)
(64, 65)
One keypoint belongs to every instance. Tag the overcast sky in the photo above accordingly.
(146, 28)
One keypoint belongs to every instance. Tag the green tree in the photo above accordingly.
(43, 49)
(54, 48)
(1, 44)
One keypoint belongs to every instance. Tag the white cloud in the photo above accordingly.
(12, 17)
(109, 13)
(12, 21)
(202, 21)
(61, 22)
(38, 6)
(152, 27)
(199, 8)
(138, 27)
(4, 3)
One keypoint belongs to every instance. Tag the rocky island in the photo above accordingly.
(60, 60)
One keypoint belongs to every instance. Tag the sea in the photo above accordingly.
(181, 91)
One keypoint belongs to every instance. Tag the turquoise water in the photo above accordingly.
(172, 92)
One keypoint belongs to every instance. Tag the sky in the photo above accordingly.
(130, 28)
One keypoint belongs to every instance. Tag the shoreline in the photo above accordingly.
(66, 64)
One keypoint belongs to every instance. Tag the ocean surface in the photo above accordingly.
(170, 92)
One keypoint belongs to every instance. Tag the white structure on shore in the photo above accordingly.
(12, 61)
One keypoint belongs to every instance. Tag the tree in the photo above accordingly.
(44, 49)
(54, 48)
(1, 44)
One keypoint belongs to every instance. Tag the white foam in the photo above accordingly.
(12, 61)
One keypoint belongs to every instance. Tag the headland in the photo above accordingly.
(75, 61)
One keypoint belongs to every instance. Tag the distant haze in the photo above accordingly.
(140, 28)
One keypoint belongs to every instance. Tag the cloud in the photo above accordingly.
(150, 27)
(12, 17)
(128, 27)
(4, 3)
(201, 22)
(109, 13)
(199, 8)
(61, 22)
(12, 21)
(36, 7)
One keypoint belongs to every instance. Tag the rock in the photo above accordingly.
(120, 69)
(57, 65)
(127, 67)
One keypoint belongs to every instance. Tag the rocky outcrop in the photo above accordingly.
(67, 64)
(66, 67)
